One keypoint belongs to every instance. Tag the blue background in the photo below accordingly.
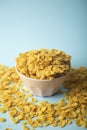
(34, 24)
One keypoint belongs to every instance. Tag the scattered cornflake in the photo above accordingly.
(24, 123)
(29, 95)
(14, 101)
(26, 128)
(8, 129)
(24, 90)
(33, 100)
(2, 119)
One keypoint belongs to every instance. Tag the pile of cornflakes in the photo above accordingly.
(43, 63)
(25, 109)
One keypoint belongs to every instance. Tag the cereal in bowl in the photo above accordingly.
(43, 64)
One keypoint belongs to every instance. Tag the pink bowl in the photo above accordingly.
(42, 87)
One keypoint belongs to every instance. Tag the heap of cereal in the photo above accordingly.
(43, 64)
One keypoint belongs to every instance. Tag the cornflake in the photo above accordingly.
(43, 63)
(2, 119)
(25, 128)
(22, 106)
(8, 129)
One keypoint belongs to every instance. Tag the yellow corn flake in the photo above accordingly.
(62, 103)
(54, 124)
(24, 90)
(24, 123)
(29, 95)
(15, 121)
(20, 116)
(68, 121)
(78, 122)
(25, 128)
(83, 111)
(2, 110)
(2, 119)
(62, 123)
(34, 124)
(42, 118)
(84, 123)
(61, 117)
(47, 123)
(43, 108)
(33, 100)
(8, 129)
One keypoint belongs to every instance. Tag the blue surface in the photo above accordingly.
(51, 99)
(33, 24)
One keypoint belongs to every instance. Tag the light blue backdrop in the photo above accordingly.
(33, 24)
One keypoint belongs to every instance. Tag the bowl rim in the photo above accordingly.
(40, 79)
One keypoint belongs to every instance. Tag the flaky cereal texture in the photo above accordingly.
(22, 106)
(43, 63)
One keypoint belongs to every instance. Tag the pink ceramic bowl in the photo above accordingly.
(42, 87)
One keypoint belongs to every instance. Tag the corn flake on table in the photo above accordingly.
(31, 112)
